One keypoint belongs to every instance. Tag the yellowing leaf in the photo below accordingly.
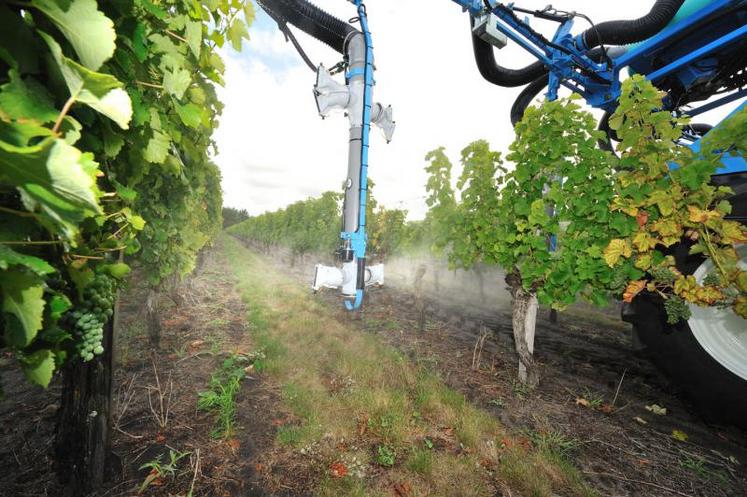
(657, 409)
(643, 241)
(679, 435)
(633, 289)
(733, 233)
(698, 215)
(615, 250)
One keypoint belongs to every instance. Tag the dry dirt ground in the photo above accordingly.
(591, 405)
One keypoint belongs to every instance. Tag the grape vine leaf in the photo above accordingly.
(615, 250)
(118, 270)
(193, 30)
(236, 34)
(38, 366)
(9, 257)
(102, 92)
(176, 82)
(52, 173)
(157, 149)
(23, 300)
(89, 31)
(26, 100)
(190, 114)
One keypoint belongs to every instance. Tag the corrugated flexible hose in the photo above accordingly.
(312, 20)
(607, 33)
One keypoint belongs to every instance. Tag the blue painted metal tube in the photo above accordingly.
(666, 34)
(725, 40)
(358, 239)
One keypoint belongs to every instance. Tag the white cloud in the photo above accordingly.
(274, 149)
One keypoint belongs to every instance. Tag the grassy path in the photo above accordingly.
(365, 420)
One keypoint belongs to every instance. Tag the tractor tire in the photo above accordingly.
(705, 357)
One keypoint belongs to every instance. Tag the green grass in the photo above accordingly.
(221, 397)
(388, 407)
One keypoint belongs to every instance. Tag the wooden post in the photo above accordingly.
(83, 438)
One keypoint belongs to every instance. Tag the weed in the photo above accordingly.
(553, 442)
(385, 456)
(159, 470)
(224, 385)
(428, 444)
(290, 435)
(420, 461)
(521, 390)
(595, 399)
(699, 466)
(497, 403)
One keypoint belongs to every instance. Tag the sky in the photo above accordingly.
(274, 149)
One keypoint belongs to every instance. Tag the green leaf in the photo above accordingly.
(53, 174)
(249, 13)
(58, 305)
(87, 29)
(102, 92)
(9, 257)
(158, 148)
(38, 367)
(127, 194)
(176, 82)
(193, 30)
(26, 100)
(23, 298)
(237, 32)
(190, 114)
(137, 222)
(118, 270)
(139, 42)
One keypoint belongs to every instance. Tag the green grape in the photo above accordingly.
(663, 274)
(90, 316)
(677, 309)
(712, 279)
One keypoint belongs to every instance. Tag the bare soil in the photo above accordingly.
(590, 405)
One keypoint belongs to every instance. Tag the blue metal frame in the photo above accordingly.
(359, 239)
(567, 66)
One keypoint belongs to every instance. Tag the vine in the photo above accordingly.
(676, 207)
(105, 137)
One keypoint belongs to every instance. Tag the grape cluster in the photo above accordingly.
(677, 309)
(88, 319)
(663, 274)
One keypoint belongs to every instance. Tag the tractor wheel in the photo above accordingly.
(705, 357)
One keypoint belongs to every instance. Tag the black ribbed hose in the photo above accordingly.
(607, 33)
(635, 30)
(312, 20)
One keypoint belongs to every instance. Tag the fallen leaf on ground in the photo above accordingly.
(580, 401)
(234, 444)
(657, 409)
(679, 435)
(338, 470)
(402, 489)
(196, 343)
(607, 408)
(640, 420)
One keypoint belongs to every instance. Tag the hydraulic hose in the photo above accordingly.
(499, 75)
(607, 33)
(632, 31)
(312, 20)
(530, 92)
